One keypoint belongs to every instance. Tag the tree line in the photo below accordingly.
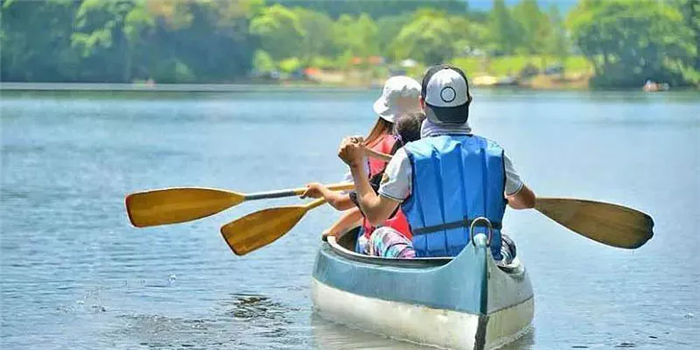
(626, 41)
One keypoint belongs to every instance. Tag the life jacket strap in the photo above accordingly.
(453, 225)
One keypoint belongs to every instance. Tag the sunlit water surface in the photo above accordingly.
(76, 275)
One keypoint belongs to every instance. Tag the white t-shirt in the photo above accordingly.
(397, 180)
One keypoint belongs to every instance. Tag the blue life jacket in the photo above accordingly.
(456, 179)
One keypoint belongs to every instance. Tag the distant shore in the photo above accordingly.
(248, 87)
(173, 87)
(537, 84)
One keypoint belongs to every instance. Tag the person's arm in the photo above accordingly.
(337, 200)
(523, 199)
(517, 194)
(349, 219)
(377, 209)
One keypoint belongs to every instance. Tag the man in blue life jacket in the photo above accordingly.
(444, 181)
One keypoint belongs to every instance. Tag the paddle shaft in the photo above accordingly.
(293, 192)
(315, 204)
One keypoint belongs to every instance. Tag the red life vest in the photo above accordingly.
(384, 145)
(398, 222)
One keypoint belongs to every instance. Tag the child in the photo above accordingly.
(406, 129)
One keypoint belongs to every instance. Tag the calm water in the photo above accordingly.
(76, 275)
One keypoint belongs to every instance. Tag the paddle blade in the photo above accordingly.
(174, 205)
(261, 228)
(606, 223)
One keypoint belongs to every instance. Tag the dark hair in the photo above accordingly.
(407, 129)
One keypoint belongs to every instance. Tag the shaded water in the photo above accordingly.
(74, 274)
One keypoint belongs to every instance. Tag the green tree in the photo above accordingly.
(262, 62)
(317, 40)
(629, 42)
(431, 37)
(219, 44)
(690, 9)
(106, 34)
(505, 34)
(557, 43)
(356, 36)
(280, 31)
(388, 28)
(534, 27)
(35, 41)
(122, 41)
(376, 9)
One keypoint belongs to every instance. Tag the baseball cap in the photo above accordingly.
(399, 97)
(446, 94)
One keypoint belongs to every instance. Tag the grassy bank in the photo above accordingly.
(514, 65)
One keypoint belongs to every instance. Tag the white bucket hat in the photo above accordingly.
(400, 96)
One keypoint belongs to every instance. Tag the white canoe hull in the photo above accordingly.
(506, 312)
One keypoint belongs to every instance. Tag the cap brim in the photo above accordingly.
(447, 115)
(383, 110)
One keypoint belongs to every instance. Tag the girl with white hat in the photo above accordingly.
(400, 97)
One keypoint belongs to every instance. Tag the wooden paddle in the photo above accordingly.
(263, 227)
(175, 205)
(607, 223)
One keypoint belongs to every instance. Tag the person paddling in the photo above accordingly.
(446, 180)
(406, 129)
(400, 96)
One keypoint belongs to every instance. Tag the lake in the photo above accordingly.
(74, 274)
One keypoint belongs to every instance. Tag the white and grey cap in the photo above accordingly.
(446, 94)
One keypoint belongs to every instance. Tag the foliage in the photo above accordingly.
(628, 42)
(262, 62)
(512, 65)
(388, 28)
(108, 32)
(505, 33)
(280, 31)
(318, 35)
(557, 43)
(290, 65)
(431, 37)
(197, 41)
(690, 9)
(533, 25)
(356, 35)
(375, 8)
(34, 48)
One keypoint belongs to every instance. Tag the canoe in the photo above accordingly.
(465, 302)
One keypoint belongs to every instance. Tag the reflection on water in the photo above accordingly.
(333, 336)
(75, 274)
(244, 321)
